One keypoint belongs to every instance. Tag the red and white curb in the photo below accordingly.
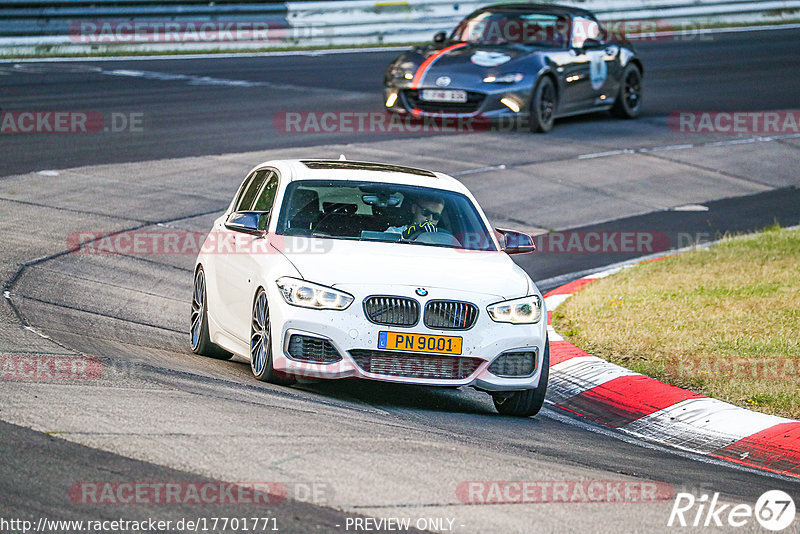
(646, 408)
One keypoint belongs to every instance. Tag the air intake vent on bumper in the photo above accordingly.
(522, 363)
(410, 365)
(312, 349)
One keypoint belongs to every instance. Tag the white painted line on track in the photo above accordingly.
(191, 80)
(554, 301)
(552, 335)
(559, 416)
(726, 142)
(209, 80)
(333, 51)
(643, 150)
(732, 29)
(702, 425)
(668, 147)
(31, 329)
(581, 373)
(480, 169)
(608, 153)
(697, 425)
(282, 53)
(607, 272)
(690, 207)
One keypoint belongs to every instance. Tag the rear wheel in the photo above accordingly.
(199, 339)
(261, 343)
(543, 106)
(629, 99)
(528, 402)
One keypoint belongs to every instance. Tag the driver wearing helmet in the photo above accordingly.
(425, 215)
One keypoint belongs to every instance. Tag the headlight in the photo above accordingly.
(404, 70)
(513, 77)
(527, 310)
(309, 295)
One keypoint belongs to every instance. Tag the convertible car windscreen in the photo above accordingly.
(382, 212)
(537, 29)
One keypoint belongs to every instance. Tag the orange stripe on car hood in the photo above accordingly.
(430, 61)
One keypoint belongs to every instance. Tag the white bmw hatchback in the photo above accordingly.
(331, 269)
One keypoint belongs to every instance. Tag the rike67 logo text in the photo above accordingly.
(774, 510)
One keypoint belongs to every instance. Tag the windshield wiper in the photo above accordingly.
(329, 236)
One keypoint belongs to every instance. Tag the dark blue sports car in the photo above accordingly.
(521, 61)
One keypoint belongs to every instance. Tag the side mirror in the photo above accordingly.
(440, 37)
(592, 44)
(514, 242)
(249, 222)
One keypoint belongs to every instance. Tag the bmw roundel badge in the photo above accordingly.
(421, 291)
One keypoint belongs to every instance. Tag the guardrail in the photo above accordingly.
(107, 26)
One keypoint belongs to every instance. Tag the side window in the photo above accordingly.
(242, 189)
(583, 29)
(267, 196)
(251, 190)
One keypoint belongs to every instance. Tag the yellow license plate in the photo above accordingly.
(419, 342)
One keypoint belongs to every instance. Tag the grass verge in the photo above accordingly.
(723, 321)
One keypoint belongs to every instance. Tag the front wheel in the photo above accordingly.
(528, 402)
(261, 343)
(629, 100)
(543, 106)
(199, 339)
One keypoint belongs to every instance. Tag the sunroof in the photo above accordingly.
(364, 166)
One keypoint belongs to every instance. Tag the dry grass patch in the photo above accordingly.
(723, 321)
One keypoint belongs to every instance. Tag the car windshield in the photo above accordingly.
(500, 27)
(372, 211)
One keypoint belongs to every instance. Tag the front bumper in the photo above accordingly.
(488, 101)
(350, 330)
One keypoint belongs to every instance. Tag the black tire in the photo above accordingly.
(629, 100)
(199, 340)
(525, 403)
(261, 343)
(542, 108)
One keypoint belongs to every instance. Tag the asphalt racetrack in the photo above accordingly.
(342, 450)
